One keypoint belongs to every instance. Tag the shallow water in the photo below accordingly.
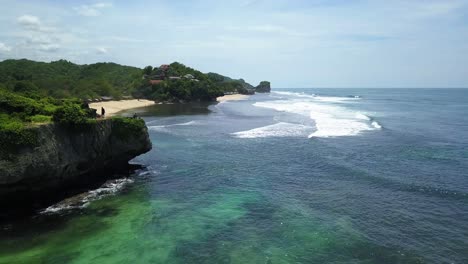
(299, 176)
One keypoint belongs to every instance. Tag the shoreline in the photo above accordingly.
(232, 97)
(114, 107)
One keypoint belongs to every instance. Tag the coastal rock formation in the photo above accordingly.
(64, 157)
(263, 87)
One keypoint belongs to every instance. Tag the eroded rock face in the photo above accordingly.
(64, 157)
(263, 87)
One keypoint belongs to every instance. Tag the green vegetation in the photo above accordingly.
(180, 90)
(19, 112)
(124, 128)
(174, 86)
(71, 115)
(63, 79)
(41, 119)
(263, 87)
(181, 83)
(14, 133)
(230, 85)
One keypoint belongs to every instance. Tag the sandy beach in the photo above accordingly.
(113, 107)
(232, 97)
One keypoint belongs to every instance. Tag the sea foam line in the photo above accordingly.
(82, 200)
(281, 129)
(190, 123)
(330, 120)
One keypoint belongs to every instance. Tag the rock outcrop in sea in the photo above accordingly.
(64, 157)
(263, 87)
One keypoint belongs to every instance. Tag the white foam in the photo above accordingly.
(284, 93)
(362, 116)
(163, 127)
(331, 120)
(329, 99)
(280, 129)
(333, 99)
(303, 95)
(81, 201)
(376, 125)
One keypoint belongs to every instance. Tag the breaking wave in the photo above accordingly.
(320, 98)
(331, 119)
(82, 200)
(163, 127)
(280, 129)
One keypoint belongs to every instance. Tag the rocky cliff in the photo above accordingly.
(263, 87)
(64, 157)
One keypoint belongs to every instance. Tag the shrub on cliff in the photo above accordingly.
(13, 134)
(125, 127)
(41, 119)
(71, 115)
(24, 106)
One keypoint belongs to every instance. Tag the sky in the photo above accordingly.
(292, 43)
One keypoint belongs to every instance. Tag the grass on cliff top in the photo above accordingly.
(20, 112)
(125, 127)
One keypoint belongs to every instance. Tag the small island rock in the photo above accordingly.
(263, 87)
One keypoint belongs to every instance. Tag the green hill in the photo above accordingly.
(63, 79)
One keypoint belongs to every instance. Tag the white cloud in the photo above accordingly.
(41, 39)
(29, 22)
(92, 10)
(4, 48)
(38, 37)
(49, 47)
(33, 23)
(102, 50)
(102, 5)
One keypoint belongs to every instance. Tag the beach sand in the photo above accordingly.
(232, 97)
(113, 107)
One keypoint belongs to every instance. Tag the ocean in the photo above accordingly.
(295, 176)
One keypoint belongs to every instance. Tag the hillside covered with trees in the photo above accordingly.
(166, 83)
(63, 79)
(179, 83)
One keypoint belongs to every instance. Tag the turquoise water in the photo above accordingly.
(297, 176)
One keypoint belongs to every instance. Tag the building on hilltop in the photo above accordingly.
(164, 67)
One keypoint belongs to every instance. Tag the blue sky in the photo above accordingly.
(292, 43)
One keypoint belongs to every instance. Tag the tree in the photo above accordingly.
(25, 87)
(147, 70)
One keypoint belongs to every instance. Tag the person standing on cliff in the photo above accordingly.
(103, 112)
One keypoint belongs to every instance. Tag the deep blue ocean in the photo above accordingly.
(295, 176)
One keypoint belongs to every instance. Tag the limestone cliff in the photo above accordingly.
(63, 157)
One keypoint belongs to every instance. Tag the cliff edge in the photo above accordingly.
(63, 157)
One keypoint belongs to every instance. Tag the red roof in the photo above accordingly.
(153, 82)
